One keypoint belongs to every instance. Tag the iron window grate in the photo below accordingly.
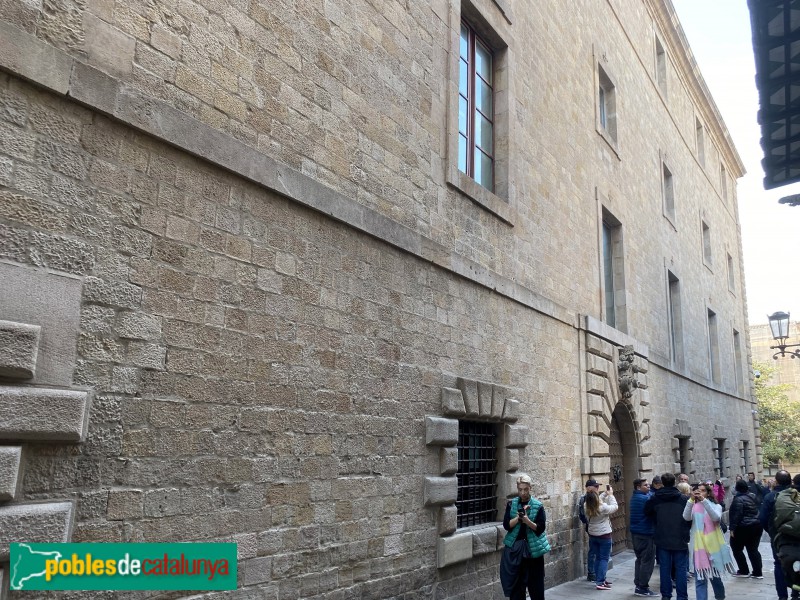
(477, 473)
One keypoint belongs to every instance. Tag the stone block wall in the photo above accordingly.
(262, 375)
(278, 301)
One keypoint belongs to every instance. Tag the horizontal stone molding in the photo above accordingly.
(615, 336)
(28, 57)
(10, 461)
(38, 523)
(19, 348)
(30, 413)
(468, 543)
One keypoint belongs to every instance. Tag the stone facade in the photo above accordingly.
(248, 296)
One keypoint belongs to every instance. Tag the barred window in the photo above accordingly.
(477, 473)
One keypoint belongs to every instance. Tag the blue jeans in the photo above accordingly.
(601, 547)
(679, 558)
(591, 558)
(701, 588)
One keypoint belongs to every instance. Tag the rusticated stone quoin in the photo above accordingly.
(441, 432)
(38, 523)
(28, 413)
(19, 348)
(10, 459)
(440, 490)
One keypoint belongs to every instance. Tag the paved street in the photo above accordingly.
(622, 577)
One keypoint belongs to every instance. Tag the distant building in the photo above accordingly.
(787, 369)
(324, 278)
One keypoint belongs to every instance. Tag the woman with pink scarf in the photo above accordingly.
(709, 555)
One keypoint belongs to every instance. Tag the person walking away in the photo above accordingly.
(766, 516)
(592, 485)
(599, 509)
(709, 555)
(671, 536)
(522, 563)
(745, 532)
(787, 533)
(642, 536)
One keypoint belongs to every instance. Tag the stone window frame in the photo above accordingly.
(731, 273)
(712, 331)
(675, 319)
(605, 79)
(744, 453)
(706, 243)
(738, 371)
(660, 60)
(700, 141)
(682, 447)
(667, 178)
(472, 400)
(491, 21)
(720, 452)
(723, 183)
(620, 295)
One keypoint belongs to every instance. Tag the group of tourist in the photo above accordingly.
(677, 524)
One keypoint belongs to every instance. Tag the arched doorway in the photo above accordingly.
(624, 457)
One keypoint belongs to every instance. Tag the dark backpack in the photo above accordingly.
(787, 514)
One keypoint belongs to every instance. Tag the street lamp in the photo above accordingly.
(779, 324)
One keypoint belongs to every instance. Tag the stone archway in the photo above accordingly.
(618, 422)
(623, 456)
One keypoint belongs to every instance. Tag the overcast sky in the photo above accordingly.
(719, 34)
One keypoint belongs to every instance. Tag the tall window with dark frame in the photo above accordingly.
(675, 318)
(683, 454)
(477, 473)
(476, 108)
(608, 274)
(719, 456)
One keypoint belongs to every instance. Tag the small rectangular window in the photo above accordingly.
(731, 274)
(607, 104)
(668, 193)
(737, 362)
(723, 183)
(706, 232)
(477, 473)
(720, 451)
(682, 454)
(746, 456)
(476, 108)
(613, 272)
(700, 139)
(661, 67)
(713, 347)
(675, 320)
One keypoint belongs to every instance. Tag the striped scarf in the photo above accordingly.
(711, 554)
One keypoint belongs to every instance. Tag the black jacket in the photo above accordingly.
(767, 510)
(744, 511)
(665, 507)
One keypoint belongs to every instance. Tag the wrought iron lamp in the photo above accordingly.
(779, 324)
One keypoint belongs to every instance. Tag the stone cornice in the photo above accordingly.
(669, 26)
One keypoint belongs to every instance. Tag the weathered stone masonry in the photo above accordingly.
(265, 296)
